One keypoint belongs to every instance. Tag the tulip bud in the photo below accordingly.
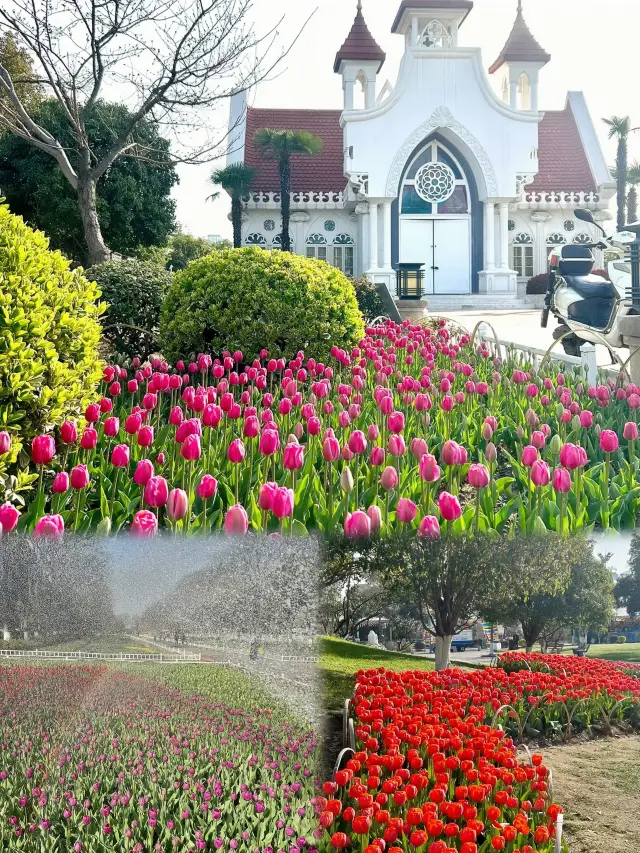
(375, 517)
(346, 480)
(177, 504)
(43, 449)
(61, 483)
(389, 478)
(491, 453)
(9, 517)
(104, 528)
(79, 477)
(406, 510)
(562, 480)
(207, 487)
(68, 432)
(555, 445)
(236, 521)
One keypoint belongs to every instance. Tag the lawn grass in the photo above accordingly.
(626, 652)
(113, 644)
(340, 660)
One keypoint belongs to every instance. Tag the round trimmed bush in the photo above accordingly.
(49, 334)
(250, 299)
(133, 291)
(369, 300)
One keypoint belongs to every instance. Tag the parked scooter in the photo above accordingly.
(587, 307)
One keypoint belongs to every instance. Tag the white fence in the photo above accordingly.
(106, 656)
(587, 360)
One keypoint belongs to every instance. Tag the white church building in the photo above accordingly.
(455, 169)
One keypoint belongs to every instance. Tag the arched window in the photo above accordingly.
(277, 241)
(523, 255)
(256, 239)
(435, 184)
(317, 246)
(343, 253)
(556, 239)
(583, 238)
(524, 92)
(436, 35)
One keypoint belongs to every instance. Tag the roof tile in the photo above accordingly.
(563, 165)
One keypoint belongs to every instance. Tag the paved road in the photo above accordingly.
(521, 327)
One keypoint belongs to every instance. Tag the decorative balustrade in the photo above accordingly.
(131, 657)
(560, 198)
(298, 199)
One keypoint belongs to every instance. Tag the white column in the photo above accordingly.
(386, 235)
(504, 236)
(370, 95)
(489, 235)
(373, 235)
(415, 35)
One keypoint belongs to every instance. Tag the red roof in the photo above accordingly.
(563, 163)
(360, 45)
(521, 46)
(325, 172)
(449, 5)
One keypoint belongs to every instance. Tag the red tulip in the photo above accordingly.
(92, 413)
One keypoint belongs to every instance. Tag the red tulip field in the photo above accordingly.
(436, 768)
(95, 759)
(414, 429)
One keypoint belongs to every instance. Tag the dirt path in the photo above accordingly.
(598, 785)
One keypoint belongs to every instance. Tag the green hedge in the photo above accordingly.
(250, 299)
(133, 291)
(49, 334)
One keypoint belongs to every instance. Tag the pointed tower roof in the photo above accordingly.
(521, 45)
(360, 44)
(462, 6)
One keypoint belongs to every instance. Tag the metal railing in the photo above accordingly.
(131, 657)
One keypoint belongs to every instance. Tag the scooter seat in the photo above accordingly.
(592, 286)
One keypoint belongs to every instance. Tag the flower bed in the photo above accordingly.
(411, 430)
(95, 759)
(431, 773)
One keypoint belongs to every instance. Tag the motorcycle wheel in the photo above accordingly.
(571, 344)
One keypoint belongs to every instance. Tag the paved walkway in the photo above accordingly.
(521, 327)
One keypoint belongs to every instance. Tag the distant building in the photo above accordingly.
(452, 168)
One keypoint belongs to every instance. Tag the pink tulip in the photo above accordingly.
(50, 527)
(189, 427)
(92, 413)
(373, 432)
(389, 478)
(111, 427)
(143, 472)
(406, 510)
(120, 456)
(608, 441)
(377, 456)
(540, 473)
(265, 495)
(207, 487)
(9, 517)
(144, 524)
(429, 470)
(449, 506)
(562, 480)
(176, 416)
(396, 445)
(630, 431)
(145, 436)
(429, 527)
(282, 503)
(177, 504)
(375, 517)
(357, 525)
(251, 427)
(529, 455)
(478, 476)
(395, 422)
(43, 449)
(236, 521)
(330, 449)
(236, 451)
(418, 448)
(156, 491)
(538, 439)
(133, 423)
(61, 483)
(68, 432)
(293, 457)
(269, 442)
(191, 449)
(357, 442)
(451, 453)
(79, 477)
(570, 456)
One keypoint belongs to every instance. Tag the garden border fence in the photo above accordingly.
(129, 657)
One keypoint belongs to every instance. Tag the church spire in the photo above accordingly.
(360, 44)
(521, 46)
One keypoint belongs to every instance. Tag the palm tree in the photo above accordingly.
(633, 179)
(280, 145)
(620, 128)
(236, 179)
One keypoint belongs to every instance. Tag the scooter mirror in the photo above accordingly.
(584, 215)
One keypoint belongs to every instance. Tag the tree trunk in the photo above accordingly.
(632, 205)
(285, 202)
(97, 251)
(236, 220)
(621, 166)
(443, 652)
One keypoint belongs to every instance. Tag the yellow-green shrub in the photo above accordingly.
(49, 334)
(250, 299)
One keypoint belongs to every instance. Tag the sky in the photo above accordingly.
(593, 45)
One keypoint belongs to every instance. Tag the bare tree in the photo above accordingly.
(171, 61)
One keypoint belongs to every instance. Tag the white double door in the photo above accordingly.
(444, 247)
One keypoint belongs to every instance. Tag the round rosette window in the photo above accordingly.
(435, 182)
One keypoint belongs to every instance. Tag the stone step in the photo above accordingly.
(477, 302)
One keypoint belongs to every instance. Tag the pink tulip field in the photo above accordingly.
(413, 430)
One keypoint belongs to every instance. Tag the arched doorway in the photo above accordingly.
(438, 219)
